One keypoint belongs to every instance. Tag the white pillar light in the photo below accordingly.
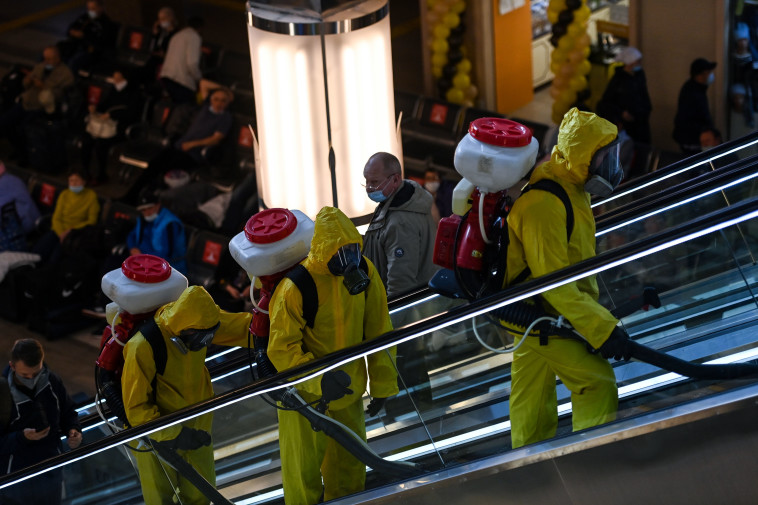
(321, 74)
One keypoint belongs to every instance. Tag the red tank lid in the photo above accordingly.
(146, 268)
(500, 132)
(270, 225)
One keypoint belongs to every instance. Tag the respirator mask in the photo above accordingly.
(194, 339)
(346, 263)
(605, 171)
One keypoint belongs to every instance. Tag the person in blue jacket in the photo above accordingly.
(158, 232)
(41, 412)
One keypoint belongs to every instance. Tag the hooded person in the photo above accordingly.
(186, 327)
(352, 307)
(539, 243)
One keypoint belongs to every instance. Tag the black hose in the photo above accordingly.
(660, 359)
(359, 449)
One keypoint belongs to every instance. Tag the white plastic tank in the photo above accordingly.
(143, 283)
(495, 154)
(272, 240)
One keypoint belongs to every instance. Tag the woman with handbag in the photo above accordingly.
(106, 123)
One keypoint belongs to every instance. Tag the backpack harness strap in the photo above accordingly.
(556, 189)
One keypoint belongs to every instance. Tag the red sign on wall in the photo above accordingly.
(438, 114)
(93, 94)
(47, 194)
(135, 40)
(212, 252)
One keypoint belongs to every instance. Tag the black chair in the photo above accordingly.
(203, 255)
(134, 46)
(407, 103)
(434, 136)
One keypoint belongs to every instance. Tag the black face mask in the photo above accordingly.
(194, 339)
(346, 263)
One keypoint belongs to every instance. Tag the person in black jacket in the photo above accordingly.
(41, 412)
(91, 39)
(627, 91)
(692, 113)
(119, 104)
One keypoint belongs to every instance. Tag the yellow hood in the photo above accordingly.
(333, 230)
(193, 309)
(581, 134)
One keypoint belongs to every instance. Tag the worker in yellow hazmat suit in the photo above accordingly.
(192, 321)
(538, 244)
(342, 320)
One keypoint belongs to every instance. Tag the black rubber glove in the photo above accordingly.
(334, 385)
(617, 346)
(190, 439)
(374, 406)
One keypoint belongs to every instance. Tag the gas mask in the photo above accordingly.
(605, 171)
(346, 263)
(194, 339)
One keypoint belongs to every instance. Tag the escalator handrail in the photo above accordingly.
(686, 163)
(747, 209)
(679, 191)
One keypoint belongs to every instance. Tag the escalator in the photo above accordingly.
(461, 431)
(708, 312)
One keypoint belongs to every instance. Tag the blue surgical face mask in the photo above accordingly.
(377, 196)
(151, 217)
(76, 189)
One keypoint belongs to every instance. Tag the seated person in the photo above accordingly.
(14, 191)
(77, 207)
(208, 128)
(121, 104)
(158, 232)
(43, 91)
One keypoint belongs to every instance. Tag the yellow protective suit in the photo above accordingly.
(186, 381)
(537, 232)
(342, 320)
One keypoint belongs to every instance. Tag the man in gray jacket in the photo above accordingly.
(399, 241)
(400, 238)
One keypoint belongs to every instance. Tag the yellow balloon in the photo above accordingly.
(555, 66)
(577, 83)
(576, 56)
(471, 92)
(552, 16)
(558, 55)
(441, 31)
(576, 29)
(451, 20)
(461, 81)
(586, 52)
(454, 95)
(439, 59)
(582, 13)
(584, 67)
(439, 45)
(566, 43)
(437, 71)
(464, 66)
(431, 3)
(458, 7)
